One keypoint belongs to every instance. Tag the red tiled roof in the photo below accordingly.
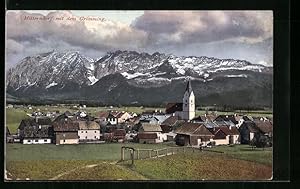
(170, 120)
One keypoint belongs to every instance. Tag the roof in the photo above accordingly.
(34, 122)
(66, 126)
(224, 123)
(150, 128)
(198, 119)
(264, 126)
(62, 136)
(147, 136)
(170, 120)
(193, 129)
(88, 125)
(250, 125)
(173, 107)
(103, 114)
(36, 132)
(229, 130)
(231, 118)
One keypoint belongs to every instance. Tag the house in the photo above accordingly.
(149, 119)
(108, 117)
(150, 130)
(193, 134)
(123, 116)
(225, 135)
(88, 131)
(247, 131)
(66, 132)
(148, 138)
(35, 131)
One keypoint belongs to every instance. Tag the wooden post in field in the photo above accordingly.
(172, 151)
(122, 154)
(183, 149)
(138, 153)
(157, 153)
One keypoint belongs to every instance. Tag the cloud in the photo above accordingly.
(224, 34)
(101, 35)
(205, 26)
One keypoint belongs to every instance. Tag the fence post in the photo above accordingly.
(122, 154)
(157, 153)
(149, 153)
(138, 153)
(183, 149)
(172, 151)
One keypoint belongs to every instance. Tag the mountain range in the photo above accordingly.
(129, 77)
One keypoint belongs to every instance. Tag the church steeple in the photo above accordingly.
(189, 87)
(188, 102)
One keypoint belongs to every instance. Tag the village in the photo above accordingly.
(177, 124)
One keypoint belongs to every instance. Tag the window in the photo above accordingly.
(95, 137)
(86, 137)
(95, 131)
(36, 140)
(81, 131)
(45, 140)
(64, 140)
(29, 140)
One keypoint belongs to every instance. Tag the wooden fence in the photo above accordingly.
(154, 153)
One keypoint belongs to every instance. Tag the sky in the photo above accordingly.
(245, 35)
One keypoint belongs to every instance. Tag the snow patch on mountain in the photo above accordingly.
(93, 79)
(51, 85)
(240, 75)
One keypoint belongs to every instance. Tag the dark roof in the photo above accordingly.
(170, 120)
(193, 129)
(67, 113)
(34, 122)
(250, 125)
(65, 126)
(88, 125)
(264, 126)
(227, 118)
(173, 107)
(36, 131)
(198, 119)
(147, 136)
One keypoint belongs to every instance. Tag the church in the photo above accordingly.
(186, 109)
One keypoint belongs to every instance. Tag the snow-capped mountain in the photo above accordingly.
(58, 73)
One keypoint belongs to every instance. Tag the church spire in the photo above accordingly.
(189, 87)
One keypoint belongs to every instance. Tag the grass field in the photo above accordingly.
(98, 162)
(14, 117)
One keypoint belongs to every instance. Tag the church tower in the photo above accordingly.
(188, 109)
